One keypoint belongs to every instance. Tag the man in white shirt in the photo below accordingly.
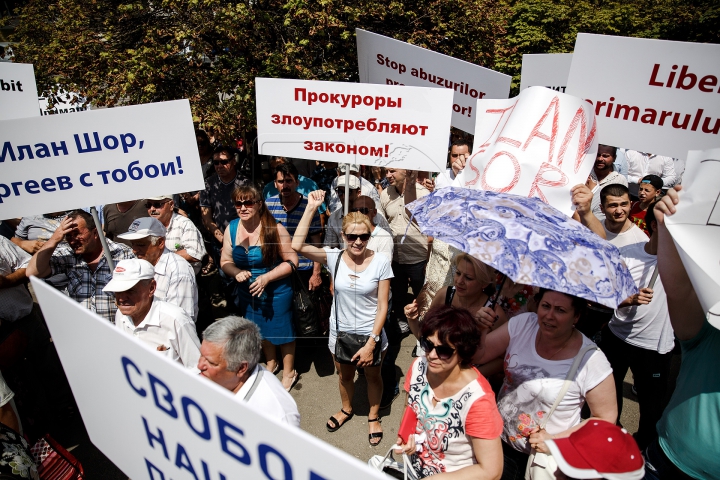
(230, 353)
(641, 164)
(174, 276)
(161, 325)
(459, 153)
(619, 229)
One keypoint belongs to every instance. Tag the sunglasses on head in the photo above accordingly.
(221, 162)
(363, 210)
(364, 237)
(245, 203)
(442, 351)
(154, 204)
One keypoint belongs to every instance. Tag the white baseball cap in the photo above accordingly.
(144, 227)
(161, 197)
(354, 183)
(129, 272)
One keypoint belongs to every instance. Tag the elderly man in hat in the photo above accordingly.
(174, 276)
(163, 326)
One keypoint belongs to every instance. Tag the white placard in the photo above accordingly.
(658, 96)
(61, 162)
(695, 228)
(18, 92)
(404, 127)
(549, 70)
(387, 61)
(538, 144)
(156, 420)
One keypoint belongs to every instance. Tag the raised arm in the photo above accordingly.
(39, 265)
(686, 314)
(316, 254)
(582, 199)
(492, 345)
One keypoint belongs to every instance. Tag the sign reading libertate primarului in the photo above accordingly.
(549, 70)
(384, 60)
(18, 92)
(660, 97)
(403, 127)
(61, 162)
(155, 420)
(538, 144)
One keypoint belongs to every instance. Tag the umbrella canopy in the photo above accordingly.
(527, 240)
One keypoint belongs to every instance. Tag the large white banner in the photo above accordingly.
(388, 61)
(538, 144)
(61, 162)
(403, 127)
(156, 420)
(550, 70)
(695, 228)
(18, 92)
(657, 96)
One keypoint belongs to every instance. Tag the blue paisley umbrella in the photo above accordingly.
(527, 240)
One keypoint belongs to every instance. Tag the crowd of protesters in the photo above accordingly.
(555, 363)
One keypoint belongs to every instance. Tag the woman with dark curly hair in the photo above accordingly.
(458, 424)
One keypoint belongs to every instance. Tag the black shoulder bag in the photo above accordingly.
(348, 344)
(305, 319)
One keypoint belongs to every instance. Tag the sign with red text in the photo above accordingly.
(660, 96)
(18, 92)
(62, 162)
(549, 70)
(155, 420)
(388, 61)
(379, 125)
(695, 228)
(538, 144)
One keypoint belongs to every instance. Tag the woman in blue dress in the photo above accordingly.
(255, 251)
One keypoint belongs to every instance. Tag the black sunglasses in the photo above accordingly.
(363, 210)
(221, 162)
(154, 204)
(245, 203)
(364, 237)
(443, 351)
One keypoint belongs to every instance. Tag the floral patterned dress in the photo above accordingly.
(16, 461)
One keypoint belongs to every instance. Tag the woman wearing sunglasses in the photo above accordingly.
(539, 350)
(362, 289)
(458, 425)
(255, 249)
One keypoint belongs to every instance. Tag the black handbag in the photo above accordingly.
(347, 344)
(305, 319)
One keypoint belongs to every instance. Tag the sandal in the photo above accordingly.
(295, 379)
(374, 435)
(334, 421)
(209, 267)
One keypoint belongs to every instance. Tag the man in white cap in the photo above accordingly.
(163, 326)
(366, 188)
(174, 276)
(183, 237)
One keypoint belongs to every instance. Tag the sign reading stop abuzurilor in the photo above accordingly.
(380, 125)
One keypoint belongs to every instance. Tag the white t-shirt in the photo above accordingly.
(532, 384)
(628, 237)
(356, 294)
(381, 241)
(444, 179)
(644, 326)
(270, 397)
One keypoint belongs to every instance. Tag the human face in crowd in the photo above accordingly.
(457, 150)
(366, 206)
(354, 192)
(356, 236)
(247, 208)
(616, 210)
(224, 164)
(556, 314)
(145, 250)
(136, 301)
(286, 185)
(604, 160)
(440, 362)
(465, 281)
(82, 239)
(160, 209)
(213, 365)
(647, 193)
(396, 176)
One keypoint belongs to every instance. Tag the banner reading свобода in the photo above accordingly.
(404, 127)
(384, 60)
(18, 92)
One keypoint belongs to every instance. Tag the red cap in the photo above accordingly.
(599, 449)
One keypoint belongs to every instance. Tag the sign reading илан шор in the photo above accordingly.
(18, 92)
(62, 162)
(402, 127)
(662, 97)
(384, 60)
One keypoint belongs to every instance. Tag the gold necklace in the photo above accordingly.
(537, 341)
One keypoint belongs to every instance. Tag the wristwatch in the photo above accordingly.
(375, 337)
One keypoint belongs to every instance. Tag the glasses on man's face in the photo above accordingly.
(352, 237)
(245, 203)
(155, 204)
(363, 210)
(442, 351)
(221, 162)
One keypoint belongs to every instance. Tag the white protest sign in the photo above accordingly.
(550, 70)
(659, 96)
(61, 162)
(156, 420)
(384, 60)
(18, 92)
(538, 144)
(695, 228)
(403, 127)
